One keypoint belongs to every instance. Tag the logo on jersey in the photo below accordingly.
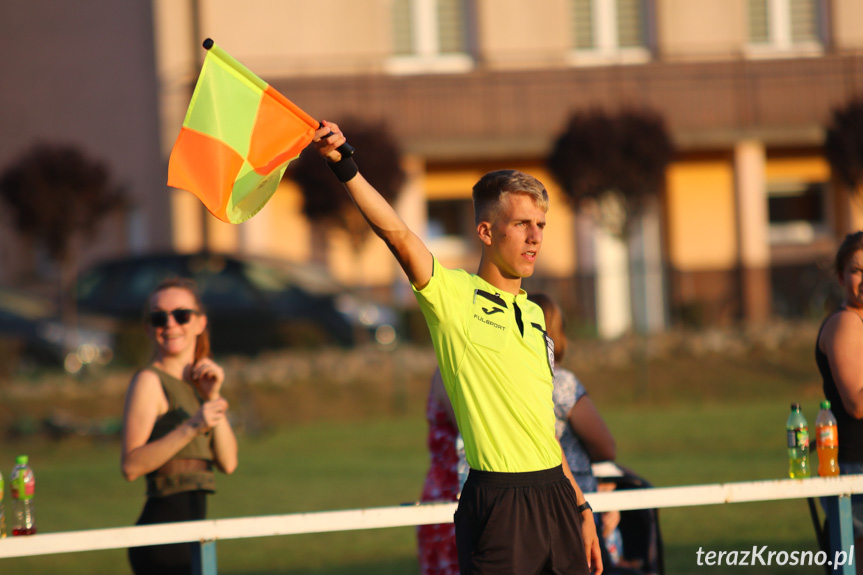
(492, 311)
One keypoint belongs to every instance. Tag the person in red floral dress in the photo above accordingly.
(436, 543)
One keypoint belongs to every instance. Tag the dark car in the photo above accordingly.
(253, 304)
(32, 331)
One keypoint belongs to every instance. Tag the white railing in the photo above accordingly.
(207, 532)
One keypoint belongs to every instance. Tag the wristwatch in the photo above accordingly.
(584, 506)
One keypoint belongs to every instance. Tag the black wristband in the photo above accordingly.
(584, 507)
(345, 169)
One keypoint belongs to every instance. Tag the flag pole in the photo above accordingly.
(346, 150)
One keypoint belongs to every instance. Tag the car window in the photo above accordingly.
(141, 280)
(281, 276)
(226, 289)
(265, 278)
(90, 285)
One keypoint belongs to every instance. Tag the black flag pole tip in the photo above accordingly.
(208, 43)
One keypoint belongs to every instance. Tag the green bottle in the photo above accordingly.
(798, 443)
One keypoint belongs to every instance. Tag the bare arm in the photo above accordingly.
(842, 342)
(225, 447)
(209, 377)
(406, 246)
(588, 527)
(591, 429)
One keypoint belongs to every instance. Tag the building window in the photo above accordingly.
(610, 29)
(783, 25)
(797, 212)
(430, 35)
(452, 218)
(451, 227)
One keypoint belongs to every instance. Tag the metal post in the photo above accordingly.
(841, 534)
(204, 558)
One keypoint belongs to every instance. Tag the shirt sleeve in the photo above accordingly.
(429, 297)
(445, 297)
(566, 393)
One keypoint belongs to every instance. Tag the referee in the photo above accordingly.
(520, 511)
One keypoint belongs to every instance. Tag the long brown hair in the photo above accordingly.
(202, 344)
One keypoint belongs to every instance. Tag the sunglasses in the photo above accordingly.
(181, 316)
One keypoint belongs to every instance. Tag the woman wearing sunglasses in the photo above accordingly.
(175, 425)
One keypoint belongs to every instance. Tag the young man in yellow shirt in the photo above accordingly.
(520, 510)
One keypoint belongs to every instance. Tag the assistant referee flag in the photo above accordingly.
(237, 140)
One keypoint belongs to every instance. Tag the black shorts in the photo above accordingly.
(175, 558)
(519, 524)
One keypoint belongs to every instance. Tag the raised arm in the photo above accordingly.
(406, 246)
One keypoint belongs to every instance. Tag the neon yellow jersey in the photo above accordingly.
(497, 365)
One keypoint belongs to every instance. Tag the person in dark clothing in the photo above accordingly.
(839, 356)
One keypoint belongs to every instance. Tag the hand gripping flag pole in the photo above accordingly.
(237, 139)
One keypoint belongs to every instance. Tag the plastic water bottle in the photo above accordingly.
(23, 487)
(827, 441)
(798, 443)
(2, 516)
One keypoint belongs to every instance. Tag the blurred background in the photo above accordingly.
(703, 160)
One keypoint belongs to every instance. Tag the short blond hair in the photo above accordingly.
(491, 190)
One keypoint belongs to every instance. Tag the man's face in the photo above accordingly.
(516, 236)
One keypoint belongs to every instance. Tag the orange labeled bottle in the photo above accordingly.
(827, 441)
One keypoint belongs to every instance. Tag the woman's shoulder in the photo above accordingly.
(565, 385)
(144, 388)
(840, 323)
(564, 376)
(844, 317)
(146, 377)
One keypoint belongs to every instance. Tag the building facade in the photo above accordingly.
(745, 87)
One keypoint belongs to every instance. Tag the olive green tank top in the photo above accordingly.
(183, 402)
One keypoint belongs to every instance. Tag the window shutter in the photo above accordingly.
(759, 24)
(403, 37)
(582, 24)
(451, 26)
(630, 23)
(804, 21)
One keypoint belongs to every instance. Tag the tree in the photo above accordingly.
(325, 201)
(55, 194)
(614, 162)
(613, 167)
(843, 145)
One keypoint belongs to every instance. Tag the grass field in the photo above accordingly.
(678, 420)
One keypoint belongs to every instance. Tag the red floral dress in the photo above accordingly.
(436, 543)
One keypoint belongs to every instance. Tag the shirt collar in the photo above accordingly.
(518, 298)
